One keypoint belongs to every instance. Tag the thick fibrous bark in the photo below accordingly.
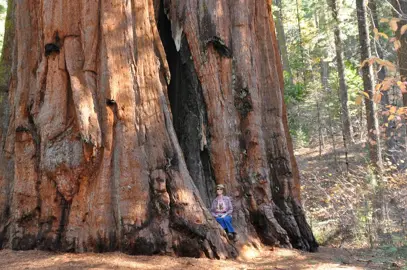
(101, 163)
(7, 80)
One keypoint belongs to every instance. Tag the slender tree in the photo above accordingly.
(381, 74)
(123, 115)
(282, 44)
(301, 43)
(369, 85)
(390, 142)
(343, 89)
(399, 143)
(401, 10)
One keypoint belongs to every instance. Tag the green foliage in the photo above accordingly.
(307, 48)
(346, 208)
(397, 246)
(386, 254)
(3, 24)
(293, 92)
(353, 79)
(301, 136)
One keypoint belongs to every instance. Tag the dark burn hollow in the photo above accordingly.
(51, 48)
(54, 47)
(188, 110)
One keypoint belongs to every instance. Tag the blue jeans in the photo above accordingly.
(226, 223)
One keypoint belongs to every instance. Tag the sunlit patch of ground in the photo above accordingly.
(327, 258)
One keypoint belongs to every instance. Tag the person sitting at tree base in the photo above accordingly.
(222, 210)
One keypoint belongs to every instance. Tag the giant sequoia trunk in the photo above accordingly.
(122, 117)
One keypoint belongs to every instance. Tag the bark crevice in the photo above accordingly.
(188, 109)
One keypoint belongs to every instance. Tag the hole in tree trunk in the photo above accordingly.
(188, 109)
(51, 48)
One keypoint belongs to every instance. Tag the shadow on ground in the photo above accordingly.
(327, 258)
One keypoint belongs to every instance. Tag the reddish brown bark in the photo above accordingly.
(98, 164)
(296, 188)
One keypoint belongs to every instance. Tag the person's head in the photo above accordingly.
(220, 189)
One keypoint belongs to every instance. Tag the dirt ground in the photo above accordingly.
(326, 258)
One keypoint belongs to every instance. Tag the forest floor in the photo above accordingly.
(340, 205)
(278, 259)
(333, 206)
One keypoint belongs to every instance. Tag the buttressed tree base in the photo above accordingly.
(118, 118)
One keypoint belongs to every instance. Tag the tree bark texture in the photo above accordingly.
(296, 188)
(381, 74)
(343, 89)
(125, 114)
(401, 7)
(391, 137)
(368, 84)
(400, 143)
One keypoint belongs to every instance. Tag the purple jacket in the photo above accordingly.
(224, 208)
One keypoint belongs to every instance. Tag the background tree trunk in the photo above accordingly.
(400, 139)
(7, 80)
(401, 7)
(282, 44)
(368, 84)
(343, 89)
(101, 163)
(390, 140)
(304, 63)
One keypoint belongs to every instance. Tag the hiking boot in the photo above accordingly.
(232, 236)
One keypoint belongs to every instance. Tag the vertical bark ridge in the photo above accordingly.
(24, 219)
(7, 80)
(295, 187)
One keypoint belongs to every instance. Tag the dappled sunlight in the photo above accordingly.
(255, 259)
(248, 252)
(97, 261)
